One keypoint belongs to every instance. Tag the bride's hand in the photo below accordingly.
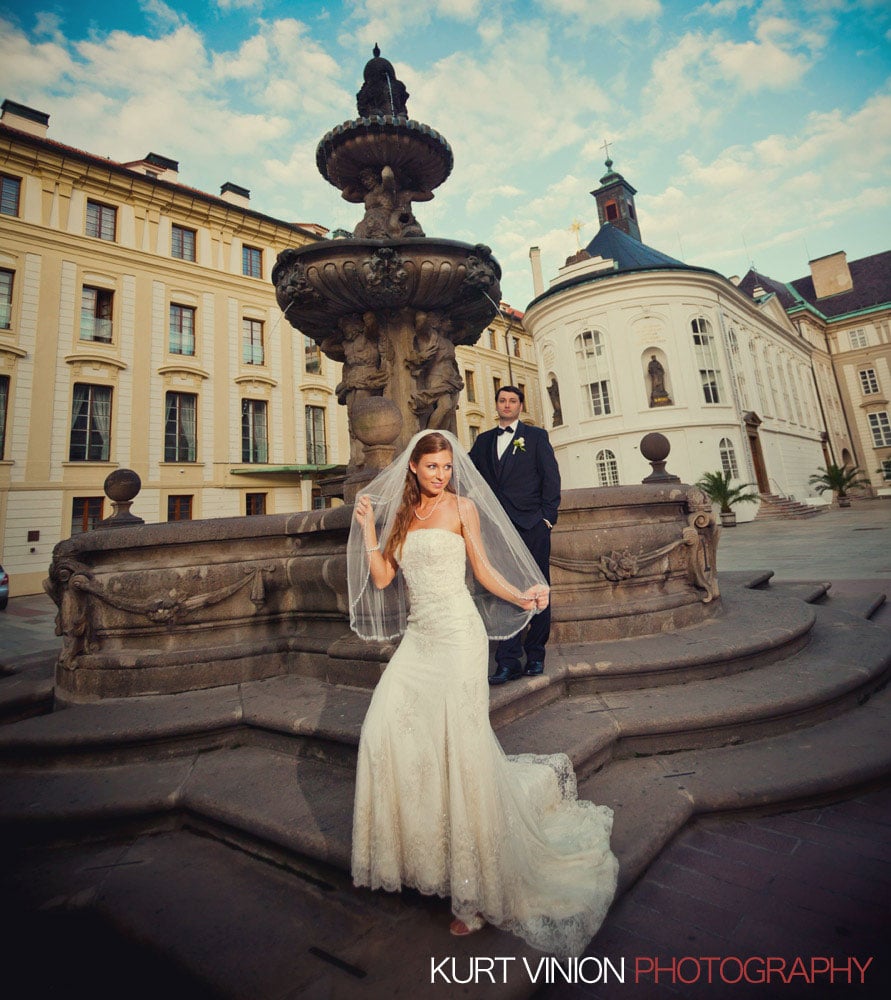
(363, 509)
(536, 598)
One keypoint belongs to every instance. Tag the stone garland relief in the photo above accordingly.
(71, 585)
(699, 538)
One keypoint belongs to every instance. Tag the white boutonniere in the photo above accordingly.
(519, 445)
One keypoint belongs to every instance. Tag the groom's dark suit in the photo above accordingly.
(526, 481)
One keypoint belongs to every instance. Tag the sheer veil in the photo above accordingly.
(382, 614)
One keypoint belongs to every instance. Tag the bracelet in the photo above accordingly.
(375, 548)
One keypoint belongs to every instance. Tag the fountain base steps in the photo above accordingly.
(263, 772)
(779, 508)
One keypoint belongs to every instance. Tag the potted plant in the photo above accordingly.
(839, 479)
(716, 486)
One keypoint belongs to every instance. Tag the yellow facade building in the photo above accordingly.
(139, 329)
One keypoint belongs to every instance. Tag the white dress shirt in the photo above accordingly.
(503, 440)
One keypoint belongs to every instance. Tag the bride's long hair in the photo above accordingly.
(411, 493)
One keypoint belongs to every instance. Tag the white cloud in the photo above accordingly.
(612, 12)
(227, 5)
(160, 14)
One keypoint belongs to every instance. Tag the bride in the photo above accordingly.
(439, 806)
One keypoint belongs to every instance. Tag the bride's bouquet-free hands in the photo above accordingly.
(536, 598)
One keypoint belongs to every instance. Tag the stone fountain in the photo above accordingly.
(390, 303)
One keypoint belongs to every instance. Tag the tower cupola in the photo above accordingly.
(615, 201)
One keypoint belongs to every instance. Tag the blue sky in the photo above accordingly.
(753, 131)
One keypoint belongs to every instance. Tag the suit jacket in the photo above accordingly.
(526, 480)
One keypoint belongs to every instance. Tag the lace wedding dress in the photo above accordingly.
(440, 807)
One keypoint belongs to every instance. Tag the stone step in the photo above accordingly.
(815, 684)
(654, 797)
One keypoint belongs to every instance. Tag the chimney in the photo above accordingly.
(831, 274)
(537, 280)
(25, 119)
(235, 195)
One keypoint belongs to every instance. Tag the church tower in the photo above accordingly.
(615, 202)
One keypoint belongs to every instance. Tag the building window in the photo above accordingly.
(252, 262)
(881, 429)
(515, 346)
(496, 385)
(886, 469)
(493, 341)
(312, 357)
(182, 329)
(474, 432)
(10, 189)
(607, 469)
(183, 243)
(6, 299)
(316, 447)
(252, 341)
(317, 501)
(90, 424)
(4, 407)
(180, 427)
(253, 431)
(612, 211)
(95, 314)
(101, 220)
(858, 338)
(728, 458)
(179, 508)
(254, 503)
(522, 387)
(469, 386)
(593, 367)
(86, 513)
(706, 360)
(868, 381)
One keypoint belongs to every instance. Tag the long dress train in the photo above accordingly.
(440, 807)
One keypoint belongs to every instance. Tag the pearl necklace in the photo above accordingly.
(426, 517)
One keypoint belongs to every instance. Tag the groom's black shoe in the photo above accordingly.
(504, 674)
(534, 668)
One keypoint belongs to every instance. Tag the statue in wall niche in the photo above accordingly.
(658, 394)
(364, 372)
(435, 369)
(554, 396)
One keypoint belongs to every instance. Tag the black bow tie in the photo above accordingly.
(505, 430)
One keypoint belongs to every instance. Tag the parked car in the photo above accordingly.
(4, 588)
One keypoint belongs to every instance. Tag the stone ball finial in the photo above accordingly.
(122, 485)
(655, 448)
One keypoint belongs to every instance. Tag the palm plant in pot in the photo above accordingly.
(716, 486)
(839, 479)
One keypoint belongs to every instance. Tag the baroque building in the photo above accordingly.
(843, 309)
(631, 340)
(139, 329)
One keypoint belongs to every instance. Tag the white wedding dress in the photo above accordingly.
(440, 807)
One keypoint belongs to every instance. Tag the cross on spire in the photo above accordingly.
(605, 148)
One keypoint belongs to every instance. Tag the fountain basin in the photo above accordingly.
(319, 284)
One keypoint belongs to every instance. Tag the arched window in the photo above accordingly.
(706, 354)
(593, 367)
(728, 458)
(607, 469)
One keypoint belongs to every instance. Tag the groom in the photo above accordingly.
(518, 463)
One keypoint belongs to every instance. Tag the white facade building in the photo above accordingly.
(631, 341)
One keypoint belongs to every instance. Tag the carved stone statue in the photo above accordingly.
(554, 396)
(364, 374)
(388, 211)
(381, 92)
(435, 369)
(658, 394)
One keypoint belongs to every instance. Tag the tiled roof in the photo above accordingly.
(871, 277)
(755, 280)
(122, 168)
(628, 253)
